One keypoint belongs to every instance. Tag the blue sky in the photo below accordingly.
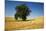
(37, 8)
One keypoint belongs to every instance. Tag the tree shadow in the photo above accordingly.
(22, 20)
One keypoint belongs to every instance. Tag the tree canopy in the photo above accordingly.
(22, 11)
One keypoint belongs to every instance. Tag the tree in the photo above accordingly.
(22, 11)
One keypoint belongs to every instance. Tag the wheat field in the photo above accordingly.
(12, 24)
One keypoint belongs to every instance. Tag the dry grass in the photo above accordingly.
(36, 23)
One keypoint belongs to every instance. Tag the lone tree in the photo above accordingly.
(22, 11)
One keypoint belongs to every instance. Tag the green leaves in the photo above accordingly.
(22, 11)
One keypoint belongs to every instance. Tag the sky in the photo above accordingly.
(36, 8)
